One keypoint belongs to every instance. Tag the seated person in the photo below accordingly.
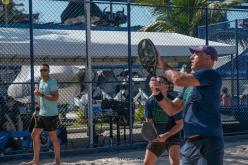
(226, 99)
(34, 116)
(11, 119)
(243, 99)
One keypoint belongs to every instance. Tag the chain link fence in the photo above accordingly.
(232, 68)
(59, 39)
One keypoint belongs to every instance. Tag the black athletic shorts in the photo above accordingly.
(159, 147)
(48, 123)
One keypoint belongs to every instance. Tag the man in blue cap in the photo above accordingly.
(200, 103)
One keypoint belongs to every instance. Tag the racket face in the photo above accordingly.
(148, 56)
(148, 131)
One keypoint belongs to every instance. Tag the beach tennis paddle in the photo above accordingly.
(148, 56)
(149, 132)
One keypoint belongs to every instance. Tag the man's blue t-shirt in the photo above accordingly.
(162, 122)
(202, 105)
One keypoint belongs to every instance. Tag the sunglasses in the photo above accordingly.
(43, 70)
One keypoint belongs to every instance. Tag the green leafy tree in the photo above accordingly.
(12, 13)
(184, 16)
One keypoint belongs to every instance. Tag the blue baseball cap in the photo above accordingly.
(207, 49)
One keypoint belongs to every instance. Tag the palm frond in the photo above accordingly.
(185, 16)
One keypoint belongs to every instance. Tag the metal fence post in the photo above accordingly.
(130, 107)
(31, 53)
(237, 59)
(232, 76)
(206, 23)
(89, 70)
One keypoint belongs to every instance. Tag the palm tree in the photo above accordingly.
(11, 14)
(184, 16)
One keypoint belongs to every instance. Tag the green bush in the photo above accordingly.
(139, 114)
(80, 116)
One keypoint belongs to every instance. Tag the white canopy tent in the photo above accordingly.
(67, 47)
(61, 46)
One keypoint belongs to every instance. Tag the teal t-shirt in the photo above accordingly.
(48, 108)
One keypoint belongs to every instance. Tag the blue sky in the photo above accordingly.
(50, 11)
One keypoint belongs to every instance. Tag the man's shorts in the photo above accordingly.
(203, 151)
(159, 147)
(48, 123)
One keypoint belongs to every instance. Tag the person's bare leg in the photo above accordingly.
(56, 146)
(174, 154)
(36, 145)
(36, 140)
(150, 158)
